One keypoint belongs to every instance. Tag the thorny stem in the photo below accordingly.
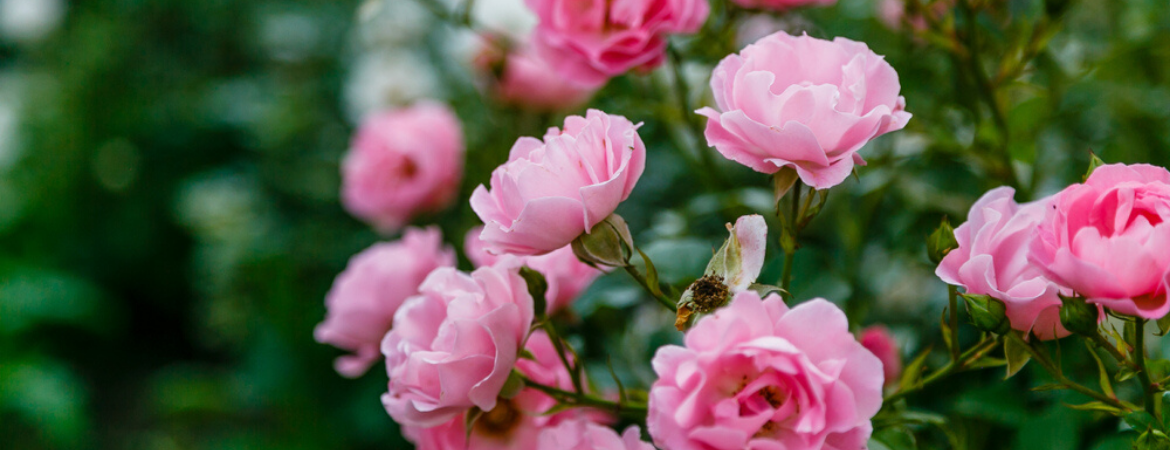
(1058, 374)
(955, 366)
(1139, 351)
(575, 399)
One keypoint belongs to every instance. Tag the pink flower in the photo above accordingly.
(567, 276)
(877, 340)
(1109, 240)
(402, 163)
(589, 41)
(804, 103)
(782, 4)
(585, 435)
(526, 81)
(453, 345)
(992, 259)
(550, 192)
(365, 296)
(758, 375)
(514, 424)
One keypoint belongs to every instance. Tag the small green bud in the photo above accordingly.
(941, 242)
(986, 313)
(1078, 316)
(608, 244)
(1094, 163)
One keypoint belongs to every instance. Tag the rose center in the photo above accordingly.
(500, 421)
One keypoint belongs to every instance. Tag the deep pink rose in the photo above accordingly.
(992, 259)
(402, 163)
(550, 192)
(589, 41)
(514, 424)
(1109, 241)
(364, 297)
(453, 345)
(758, 375)
(567, 276)
(805, 103)
(581, 434)
(782, 4)
(522, 79)
(878, 340)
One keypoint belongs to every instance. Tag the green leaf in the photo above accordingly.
(1016, 354)
(1140, 420)
(945, 326)
(1094, 163)
(1102, 374)
(1049, 387)
(651, 274)
(469, 420)
(1096, 406)
(913, 371)
(537, 287)
(896, 438)
(1124, 373)
(513, 385)
(1164, 325)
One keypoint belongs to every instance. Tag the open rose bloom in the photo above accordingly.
(453, 346)
(1108, 239)
(992, 259)
(364, 298)
(551, 191)
(402, 163)
(804, 103)
(590, 41)
(758, 375)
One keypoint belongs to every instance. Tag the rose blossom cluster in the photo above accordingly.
(1103, 240)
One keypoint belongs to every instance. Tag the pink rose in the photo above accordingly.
(402, 163)
(522, 79)
(878, 340)
(1109, 240)
(782, 4)
(758, 375)
(514, 424)
(585, 435)
(365, 296)
(589, 41)
(567, 276)
(805, 103)
(992, 259)
(550, 192)
(453, 346)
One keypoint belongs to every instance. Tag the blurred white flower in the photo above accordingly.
(9, 138)
(379, 80)
(385, 23)
(30, 20)
(290, 37)
(511, 18)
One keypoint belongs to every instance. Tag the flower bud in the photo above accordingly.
(986, 313)
(608, 244)
(1078, 316)
(941, 242)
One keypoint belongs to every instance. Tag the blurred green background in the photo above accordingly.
(169, 221)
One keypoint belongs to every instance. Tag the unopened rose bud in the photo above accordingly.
(986, 313)
(1078, 316)
(941, 242)
(608, 244)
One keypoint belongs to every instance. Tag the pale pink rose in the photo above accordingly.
(550, 192)
(514, 424)
(1109, 240)
(992, 259)
(402, 163)
(566, 275)
(523, 80)
(582, 434)
(363, 299)
(758, 375)
(453, 346)
(589, 41)
(804, 103)
(878, 340)
(782, 4)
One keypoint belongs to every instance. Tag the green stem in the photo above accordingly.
(1100, 341)
(656, 293)
(626, 409)
(707, 168)
(555, 337)
(1058, 374)
(792, 224)
(1139, 351)
(955, 366)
